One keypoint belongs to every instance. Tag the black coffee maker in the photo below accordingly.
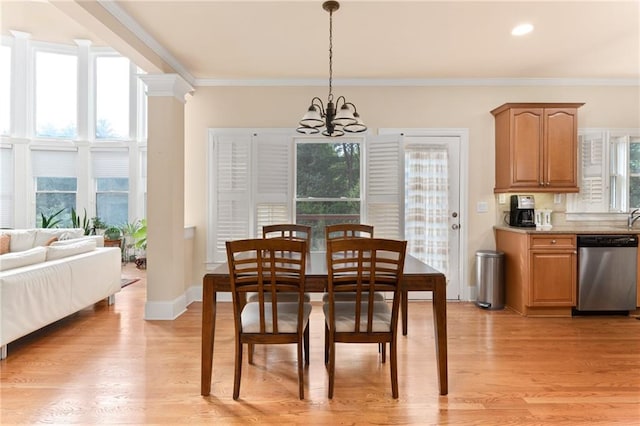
(522, 212)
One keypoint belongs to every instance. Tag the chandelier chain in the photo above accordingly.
(331, 56)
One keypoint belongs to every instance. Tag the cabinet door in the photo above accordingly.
(560, 147)
(553, 278)
(526, 147)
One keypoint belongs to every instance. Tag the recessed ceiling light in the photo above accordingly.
(522, 29)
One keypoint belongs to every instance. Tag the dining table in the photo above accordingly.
(417, 276)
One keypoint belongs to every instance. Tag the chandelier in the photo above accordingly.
(338, 117)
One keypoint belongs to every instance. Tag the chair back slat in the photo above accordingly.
(348, 230)
(289, 231)
(365, 266)
(266, 267)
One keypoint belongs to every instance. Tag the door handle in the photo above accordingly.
(455, 226)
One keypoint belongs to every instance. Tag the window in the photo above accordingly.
(609, 174)
(111, 173)
(112, 200)
(56, 183)
(251, 184)
(112, 97)
(327, 185)
(5, 89)
(56, 95)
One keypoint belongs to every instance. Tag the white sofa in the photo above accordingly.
(43, 281)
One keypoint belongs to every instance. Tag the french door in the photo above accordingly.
(415, 192)
(432, 205)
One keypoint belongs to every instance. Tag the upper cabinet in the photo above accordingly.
(536, 147)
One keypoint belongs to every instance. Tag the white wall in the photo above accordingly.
(390, 107)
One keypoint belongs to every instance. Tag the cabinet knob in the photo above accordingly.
(553, 241)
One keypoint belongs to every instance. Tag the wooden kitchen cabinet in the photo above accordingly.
(536, 147)
(552, 266)
(540, 272)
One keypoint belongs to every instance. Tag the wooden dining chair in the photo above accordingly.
(289, 231)
(351, 230)
(363, 266)
(270, 267)
(348, 230)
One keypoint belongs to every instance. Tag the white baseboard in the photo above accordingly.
(165, 310)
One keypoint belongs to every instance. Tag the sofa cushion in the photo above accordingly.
(45, 234)
(5, 241)
(99, 240)
(22, 258)
(66, 250)
(21, 239)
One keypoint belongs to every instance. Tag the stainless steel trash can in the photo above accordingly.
(490, 279)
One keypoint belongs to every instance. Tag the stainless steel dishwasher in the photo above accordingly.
(607, 267)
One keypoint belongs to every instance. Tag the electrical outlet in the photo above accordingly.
(502, 198)
(557, 198)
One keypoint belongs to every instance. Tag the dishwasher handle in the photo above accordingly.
(608, 240)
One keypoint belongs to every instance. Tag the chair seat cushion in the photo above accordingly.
(287, 317)
(348, 296)
(345, 316)
(282, 297)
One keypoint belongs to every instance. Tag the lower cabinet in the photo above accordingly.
(540, 272)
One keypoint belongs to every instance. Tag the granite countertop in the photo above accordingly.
(574, 229)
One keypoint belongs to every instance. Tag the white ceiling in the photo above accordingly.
(390, 41)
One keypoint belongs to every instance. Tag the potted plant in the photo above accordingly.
(50, 221)
(112, 233)
(141, 243)
(128, 231)
(98, 226)
(78, 222)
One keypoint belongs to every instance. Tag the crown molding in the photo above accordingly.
(419, 82)
(133, 26)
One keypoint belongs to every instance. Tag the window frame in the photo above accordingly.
(360, 141)
(617, 202)
(44, 47)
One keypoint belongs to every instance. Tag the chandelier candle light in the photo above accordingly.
(332, 121)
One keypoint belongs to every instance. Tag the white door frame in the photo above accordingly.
(463, 134)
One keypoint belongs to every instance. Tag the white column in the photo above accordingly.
(21, 129)
(166, 298)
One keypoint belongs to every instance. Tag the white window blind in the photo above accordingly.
(592, 174)
(384, 183)
(110, 164)
(6, 187)
(46, 163)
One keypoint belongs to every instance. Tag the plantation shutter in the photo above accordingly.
(384, 194)
(274, 179)
(231, 169)
(592, 175)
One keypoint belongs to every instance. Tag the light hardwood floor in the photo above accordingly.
(108, 365)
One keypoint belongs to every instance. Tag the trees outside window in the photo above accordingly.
(54, 194)
(112, 200)
(327, 186)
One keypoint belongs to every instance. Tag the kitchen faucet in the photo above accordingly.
(632, 218)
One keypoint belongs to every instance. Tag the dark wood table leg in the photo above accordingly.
(208, 335)
(440, 328)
